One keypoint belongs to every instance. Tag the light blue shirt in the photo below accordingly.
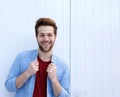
(21, 64)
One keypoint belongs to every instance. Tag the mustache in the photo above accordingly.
(46, 42)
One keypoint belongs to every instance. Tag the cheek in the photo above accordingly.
(38, 39)
(54, 39)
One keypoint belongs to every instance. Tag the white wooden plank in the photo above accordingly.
(115, 17)
(98, 42)
(107, 49)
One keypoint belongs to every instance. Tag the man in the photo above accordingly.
(39, 73)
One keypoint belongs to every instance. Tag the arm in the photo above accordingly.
(56, 87)
(60, 88)
(21, 79)
(15, 79)
(55, 83)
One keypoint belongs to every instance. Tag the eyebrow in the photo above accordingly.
(46, 33)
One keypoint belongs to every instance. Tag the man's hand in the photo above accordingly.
(33, 68)
(51, 69)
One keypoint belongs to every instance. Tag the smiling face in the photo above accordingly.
(45, 38)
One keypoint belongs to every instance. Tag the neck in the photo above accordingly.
(45, 56)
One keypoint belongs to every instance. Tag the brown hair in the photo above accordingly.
(45, 22)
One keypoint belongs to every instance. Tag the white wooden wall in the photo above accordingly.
(95, 48)
(88, 40)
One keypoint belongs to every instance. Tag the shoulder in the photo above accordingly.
(59, 61)
(63, 69)
(28, 53)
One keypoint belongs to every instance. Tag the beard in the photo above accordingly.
(45, 49)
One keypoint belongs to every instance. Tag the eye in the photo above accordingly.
(50, 35)
(41, 35)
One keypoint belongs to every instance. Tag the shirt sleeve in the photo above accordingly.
(10, 82)
(65, 83)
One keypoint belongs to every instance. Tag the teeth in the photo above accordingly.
(46, 44)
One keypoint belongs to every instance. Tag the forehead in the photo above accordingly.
(45, 29)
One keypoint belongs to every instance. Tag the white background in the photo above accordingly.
(88, 40)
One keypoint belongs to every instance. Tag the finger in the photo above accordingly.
(36, 62)
(36, 69)
(49, 70)
(51, 65)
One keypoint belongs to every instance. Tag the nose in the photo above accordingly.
(46, 38)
